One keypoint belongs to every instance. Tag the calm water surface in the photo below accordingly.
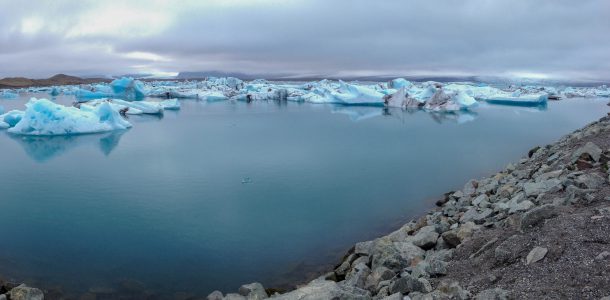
(220, 194)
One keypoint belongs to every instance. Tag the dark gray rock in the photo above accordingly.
(324, 289)
(357, 276)
(395, 296)
(592, 150)
(451, 237)
(409, 284)
(384, 253)
(426, 237)
(537, 215)
(590, 181)
(378, 275)
(605, 255)
(506, 252)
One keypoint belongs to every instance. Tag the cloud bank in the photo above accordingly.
(545, 38)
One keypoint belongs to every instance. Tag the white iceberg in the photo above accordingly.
(127, 107)
(171, 104)
(352, 94)
(518, 99)
(43, 117)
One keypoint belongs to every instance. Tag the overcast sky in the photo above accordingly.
(553, 38)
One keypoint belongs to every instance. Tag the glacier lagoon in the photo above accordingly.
(223, 193)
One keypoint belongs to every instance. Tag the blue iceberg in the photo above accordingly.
(44, 117)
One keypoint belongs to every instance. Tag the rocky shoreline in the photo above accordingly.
(540, 229)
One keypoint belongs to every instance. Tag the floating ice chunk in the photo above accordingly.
(128, 88)
(213, 96)
(95, 92)
(518, 99)
(43, 117)
(54, 91)
(398, 83)
(464, 100)
(422, 94)
(171, 104)
(356, 94)
(132, 107)
(8, 95)
(12, 117)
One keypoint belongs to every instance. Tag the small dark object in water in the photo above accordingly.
(123, 111)
(248, 98)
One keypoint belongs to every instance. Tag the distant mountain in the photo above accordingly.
(59, 79)
(243, 76)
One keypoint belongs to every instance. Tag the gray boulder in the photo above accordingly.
(478, 217)
(253, 291)
(408, 283)
(590, 149)
(537, 254)
(543, 186)
(357, 276)
(324, 289)
(537, 215)
(23, 292)
(215, 295)
(395, 296)
(378, 275)
(408, 251)
(590, 181)
(426, 237)
(470, 187)
(384, 253)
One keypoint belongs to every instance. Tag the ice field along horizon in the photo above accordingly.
(218, 194)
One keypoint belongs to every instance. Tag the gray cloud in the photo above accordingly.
(479, 37)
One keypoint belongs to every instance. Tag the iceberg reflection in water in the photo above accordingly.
(361, 113)
(45, 148)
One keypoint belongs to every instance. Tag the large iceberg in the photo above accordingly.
(125, 88)
(128, 88)
(43, 117)
(126, 107)
(352, 94)
(516, 98)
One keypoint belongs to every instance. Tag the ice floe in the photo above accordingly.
(44, 117)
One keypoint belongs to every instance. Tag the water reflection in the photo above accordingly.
(45, 148)
(361, 113)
